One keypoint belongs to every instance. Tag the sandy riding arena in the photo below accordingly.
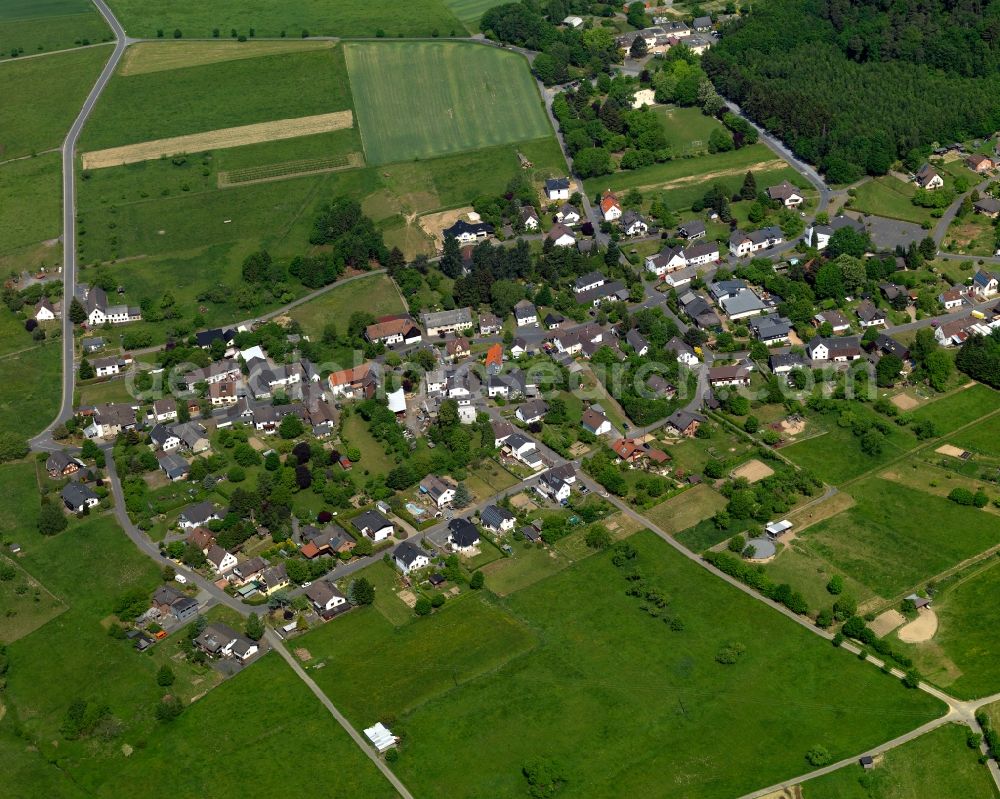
(886, 622)
(921, 629)
(218, 139)
(753, 471)
(905, 402)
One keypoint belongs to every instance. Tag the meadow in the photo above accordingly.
(959, 409)
(454, 97)
(935, 765)
(960, 657)
(890, 197)
(687, 129)
(26, 602)
(30, 202)
(469, 11)
(670, 715)
(31, 387)
(983, 438)
(687, 509)
(292, 17)
(34, 26)
(376, 294)
(155, 105)
(42, 97)
(883, 544)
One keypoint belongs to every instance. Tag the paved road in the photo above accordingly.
(961, 313)
(365, 746)
(69, 217)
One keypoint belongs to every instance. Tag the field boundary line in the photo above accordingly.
(351, 161)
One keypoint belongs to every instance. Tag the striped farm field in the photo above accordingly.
(418, 100)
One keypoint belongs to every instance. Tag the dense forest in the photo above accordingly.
(853, 85)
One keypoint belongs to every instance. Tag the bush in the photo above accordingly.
(477, 580)
(423, 606)
(836, 585)
(818, 756)
(962, 496)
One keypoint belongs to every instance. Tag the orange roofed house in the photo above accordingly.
(611, 209)
(494, 359)
(391, 330)
(354, 383)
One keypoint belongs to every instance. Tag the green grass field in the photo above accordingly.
(883, 543)
(30, 396)
(469, 11)
(835, 456)
(13, 336)
(154, 105)
(626, 706)
(799, 565)
(34, 26)
(686, 509)
(454, 97)
(355, 433)
(687, 129)
(983, 438)
(26, 602)
(30, 202)
(376, 295)
(42, 96)
(959, 409)
(935, 765)
(890, 197)
(960, 656)
(318, 17)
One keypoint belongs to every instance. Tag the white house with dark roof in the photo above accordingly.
(409, 557)
(220, 559)
(497, 519)
(526, 314)
(373, 524)
(557, 189)
(463, 536)
(440, 491)
(531, 412)
(78, 497)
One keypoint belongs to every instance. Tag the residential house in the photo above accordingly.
(837, 321)
(193, 436)
(502, 430)
(953, 298)
(785, 193)
(224, 394)
(691, 230)
(221, 640)
(611, 209)
(78, 497)
(440, 323)
(606, 292)
(927, 178)
(702, 254)
(62, 464)
(566, 472)
(985, 284)
(393, 330)
(354, 383)
(326, 598)
(660, 387)
(458, 348)
(554, 487)
(533, 411)
(987, 206)
(834, 349)
(684, 352)
(979, 163)
(489, 324)
(409, 557)
(869, 315)
(526, 314)
(819, 236)
(436, 381)
(699, 311)
(729, 376)
(595, 422)
(331, 540)
(589, 281)
(111, 419)
(530, 220)
(771, 329)
(497, 519)
(463, 536)
(518, 347)
(226, 370)
(45, 311)
(742, 304)
(669, 259)
(573, 22)
(786, 362)
(685, 423)
(637, 342)
(553, 321)
(887, 345)
(524, 450)
(494, 359)
(743, 244)
(702, 24)
(468, 232)
(568, 215)
(373, 524)
(173, 465)
(440, 491)
(164, 410)
(99, 312)
(198, 515)
(273, 579)
(246, 571)
(200, 537)
(170, 601)
(206, 338)
(632, 224)
(92, 345)
(557, 189)
(561, 236)
(221, 560)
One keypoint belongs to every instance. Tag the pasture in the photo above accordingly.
(982, 438)
(935, 765)
(354, 433)
(30, 381)
(560, 655)
(883, 544)
(27, 603)
(36, 26)
(687, 509)
(960, 656)
(454, 97)
(292, 17)
(147, 106)
(30, 202)
(42, 96)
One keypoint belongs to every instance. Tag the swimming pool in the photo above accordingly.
(415, 510)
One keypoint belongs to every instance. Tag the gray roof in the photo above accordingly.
(370, 520)
(458, 316)
(770, 326)
(537, 407)
(463, 532)
(636, 340)
(493, 515)
(199, 512)
(588, 279)
(681, 419)
(76, 494)
(408, 552)
(744, 302)
(173, 464)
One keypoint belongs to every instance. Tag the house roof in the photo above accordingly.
(322, 591)
(692, 227)
(397, 326)
(457, 316)
(462, 227)
(558, 231)
(988, 205)
(867, 312)
(352, 376)
(463, 533)
(199, 512)
(408, 552)
(735, 372)
(370, 520)
(435, 486)
(609, 201)
(493, 516)
(59, 460)
(592, 419)
(173, 464)
(533, 408)
(457, 345)
(680, 420)
(216, 555)
(525, 309)
(783, 191)
(613, 289)
(770, 326)
(636, 340)
(701, 249)
(587, 280)
(77, 494)
(557, 184)
(201, 537)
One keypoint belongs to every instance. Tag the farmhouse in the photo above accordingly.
(441, 322)
(393, 330)
(358, 381)
(110, 420)
(468, 232)
(99, 312)
(557, 188)
(785, 193)
(463, 536)
(409, 557)
(61, 464)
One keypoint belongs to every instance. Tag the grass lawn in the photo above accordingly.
(489, 479)
(619, 700)
(19, 513)
(889, 196)
(13, 336)
(354, 433)
(884, 544)
(959, 409)
(527, 565)
(469, 11)
(318, 17)
(960, 656)
(154, 105)
(454, 97)
(836, 456)
(687, 129)
(30, 202)
(42, 96)
(983, 438)
(934, 765)
(974, 235)
(385, 578)
(27, 603)
(31, 392)
(106, 391)
(376, 295)
(687, 509)
(803, 569)
(34, 26)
